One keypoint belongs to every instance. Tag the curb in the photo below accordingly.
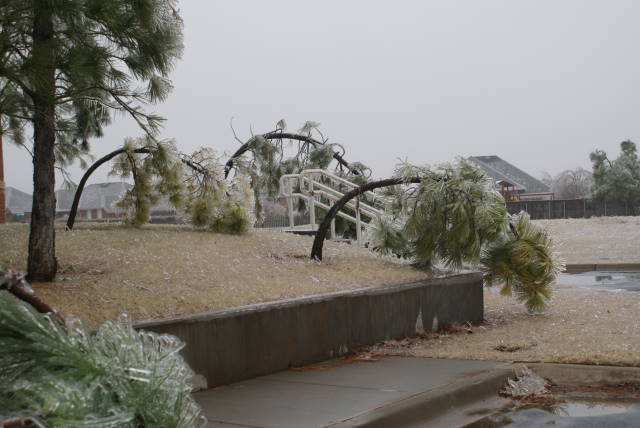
(585, 374)
(590, 267)
(425, 407)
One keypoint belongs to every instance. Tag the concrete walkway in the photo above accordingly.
(391, 391)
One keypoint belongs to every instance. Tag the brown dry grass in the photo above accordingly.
(580, 327)
(165, 271)
(596, 240)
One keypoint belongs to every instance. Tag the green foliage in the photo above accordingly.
(617, 179)
(193, 184)
(155, 174)
(223, 206)
(455, 216)
(68, 377)
(522, 262)
(109, 56)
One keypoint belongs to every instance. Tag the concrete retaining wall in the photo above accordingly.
(245, 342)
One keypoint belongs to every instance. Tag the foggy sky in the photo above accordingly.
(539, 83)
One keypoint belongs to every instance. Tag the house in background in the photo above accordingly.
(512, 182)
(97, 203)
(17, 204)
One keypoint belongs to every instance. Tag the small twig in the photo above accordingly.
(142, 287)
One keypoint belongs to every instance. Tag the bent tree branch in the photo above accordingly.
(323, 229)
(76, 198)
(278, 135)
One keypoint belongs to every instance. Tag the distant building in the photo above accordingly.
(511, 181)
(96, 203)
(17, 204)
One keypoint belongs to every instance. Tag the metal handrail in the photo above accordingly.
(311, 188)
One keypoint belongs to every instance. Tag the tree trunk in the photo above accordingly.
(323, 229)
(42, 264)
(2, 185)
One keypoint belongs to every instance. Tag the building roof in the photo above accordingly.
(94, 197)
(102, 196)
(17, 201)
(499, 169)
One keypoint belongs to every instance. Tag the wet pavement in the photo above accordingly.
(601, 280)
(325, 394)
(572, 414)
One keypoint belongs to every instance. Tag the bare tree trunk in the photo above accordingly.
(42, 264)
(323, 229)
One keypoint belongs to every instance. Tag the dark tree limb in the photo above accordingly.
(323, 229)
(278, 135)
(14, 284)
(22, 421)
(76, 198)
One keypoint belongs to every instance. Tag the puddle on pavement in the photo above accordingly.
(569, 413)
(601, 280)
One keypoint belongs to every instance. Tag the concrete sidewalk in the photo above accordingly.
(391, 391)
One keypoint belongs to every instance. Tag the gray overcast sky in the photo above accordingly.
(539, 83)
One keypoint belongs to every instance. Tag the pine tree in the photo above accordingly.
(617, 179)
(56, 373)
(453, 215)
(68, 66)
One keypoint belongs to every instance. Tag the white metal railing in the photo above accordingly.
(313, 184)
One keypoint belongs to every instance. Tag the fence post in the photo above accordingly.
(584, 208)
(564, 209)
(605, 207)
(549, 209)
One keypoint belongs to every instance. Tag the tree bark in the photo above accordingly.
(323, 229)
(2, 185)
(76, 198)
(42, 264)
(275, 135)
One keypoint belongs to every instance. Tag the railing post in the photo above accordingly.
(358, 223)
(312, 205)
(290, 203)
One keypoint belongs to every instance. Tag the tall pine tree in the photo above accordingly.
(73, 64)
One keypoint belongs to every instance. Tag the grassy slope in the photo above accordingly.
(590, 327)
(596, 240)
(164, 271)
